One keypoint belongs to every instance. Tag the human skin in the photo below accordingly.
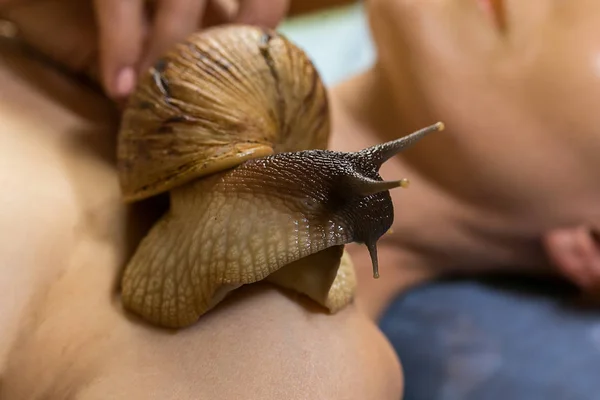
(66, 236)
(132, 34)
(518, 159)
(576, 251)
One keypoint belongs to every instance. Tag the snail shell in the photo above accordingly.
(233, 123)
(224, 96)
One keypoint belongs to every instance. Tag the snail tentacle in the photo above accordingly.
(367, 186)
(380, 153)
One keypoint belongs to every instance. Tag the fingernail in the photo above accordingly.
(125, 82)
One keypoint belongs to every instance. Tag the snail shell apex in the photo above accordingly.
(223, 96)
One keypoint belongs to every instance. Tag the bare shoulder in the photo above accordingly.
(258, 344)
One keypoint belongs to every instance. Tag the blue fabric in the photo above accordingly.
(495, 340)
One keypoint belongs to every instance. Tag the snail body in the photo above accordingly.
(234, 124)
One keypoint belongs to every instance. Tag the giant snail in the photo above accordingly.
(234, 123)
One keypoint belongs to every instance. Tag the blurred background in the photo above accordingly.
(334, 33)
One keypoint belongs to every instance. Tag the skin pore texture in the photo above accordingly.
(64, 334)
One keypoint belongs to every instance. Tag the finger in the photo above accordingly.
(591, 254)
(121, 26)
(218, 12)
(564, 251)
(266, 13)
(173, 22)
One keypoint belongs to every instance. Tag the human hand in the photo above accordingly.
(113, 41)
(132, 34)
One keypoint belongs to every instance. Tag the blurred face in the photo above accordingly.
(516, 82)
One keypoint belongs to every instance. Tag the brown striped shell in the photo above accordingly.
(223, 96)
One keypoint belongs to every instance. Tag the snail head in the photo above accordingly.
(338, 189)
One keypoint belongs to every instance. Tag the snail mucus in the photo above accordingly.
(234, 124)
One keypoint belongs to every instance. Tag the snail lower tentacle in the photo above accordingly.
(233, 123)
